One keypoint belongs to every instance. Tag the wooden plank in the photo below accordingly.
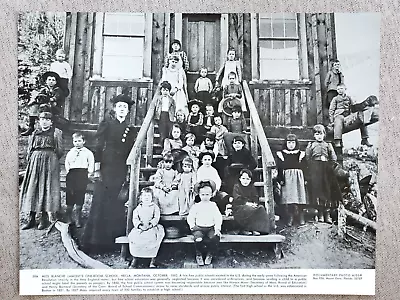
(160, 47)
(253, 139)
(178, 26)
(139, 82)
(272, 107)
(303, 107)
(224, 38)
(71, 61)
(77, 84)
(149, 144)
(147, 51)
(202, 41)
(167, 29)
(303, 54)
(295, 99)
(111, 92)
(266, 108)
(133, 108)
(255, 68)
(87, 68)
(225, 238)
(269, 195)
(280, 106)
(322, 110)
(98, 44)
(318, 92)
(94, 104)
(282, 84)
(67, 33)
(288, 107)
(246, 57)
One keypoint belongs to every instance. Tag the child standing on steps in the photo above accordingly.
(79, 164)
(146, 236)
(325, 193)
(195, 120)
(180, 120)
(291, 167)
(40, 190)
(166, 181)
(192, 150)
(186, 186)
(203, 87)
(63, 69)
(205, 222)
(165, 110)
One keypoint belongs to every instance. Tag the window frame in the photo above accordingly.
(99, 48)
(301, 53)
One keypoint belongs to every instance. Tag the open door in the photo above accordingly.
(201, 39)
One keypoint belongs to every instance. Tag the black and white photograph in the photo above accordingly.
(198, 141)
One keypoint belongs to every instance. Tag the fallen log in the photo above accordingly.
(77, 255)
(360, 219)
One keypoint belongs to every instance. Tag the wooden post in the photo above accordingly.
(148, 31)
(255, 75)
(269, 195)
(98, 44)
(253, 140)
(150, 144)
(178, 26)
(87, 68)
(224, 37)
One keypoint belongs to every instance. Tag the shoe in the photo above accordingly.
(338, 143)
(68, 213)
(31, 223)
(320, 216)
(365, 142)
(43, 221)
(245, 232)
(198, 240)
(78, 216)
(208, 259)
(256, 232)
(52, 217)
(327, 216)
(153, 263)
(199, 259)
(132, 263)
(301, 217)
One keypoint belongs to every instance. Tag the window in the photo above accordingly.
(123, 45)
(279, 46)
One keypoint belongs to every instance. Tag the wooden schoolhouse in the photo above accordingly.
(285, 58)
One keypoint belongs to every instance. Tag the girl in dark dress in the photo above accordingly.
(325, 192)
(107, 215)
(246, 208)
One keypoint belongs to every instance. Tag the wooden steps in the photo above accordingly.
(225, 238)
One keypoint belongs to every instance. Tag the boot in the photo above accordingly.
(52, 217)
(208, 259)
(152, 262)
(43, 221)
(199, 258)
(338, 143)
(132, 263)
(31, 128)
(320, 215)
(78, 216)
(68, 213)
(301, 217)
(327, 216)
(365, 142)
(32, 221)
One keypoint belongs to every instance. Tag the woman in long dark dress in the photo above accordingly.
(246, 208)
(107, 215)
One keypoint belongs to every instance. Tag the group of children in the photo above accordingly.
(206, 170)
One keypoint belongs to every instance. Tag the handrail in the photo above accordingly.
(134, 159)
(257, 134)
(259, 130)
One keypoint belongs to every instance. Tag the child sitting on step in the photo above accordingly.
(174, 140)
(165, 187)
(79, 165)
(205, 222)
(192, 150)
(180, 120)
(146, 236)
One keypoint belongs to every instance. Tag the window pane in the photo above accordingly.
(290, 28)
(278, 28)
(124, 24)
(123, 46)
(123, 57)
(265, 27)
(278, 44)
(279, 69)
(120, 67)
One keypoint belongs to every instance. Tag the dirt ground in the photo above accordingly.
(314, 245)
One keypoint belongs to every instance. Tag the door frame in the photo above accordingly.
(224, 33)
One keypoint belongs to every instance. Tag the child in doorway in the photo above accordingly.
(40, 190)
(165, 110)
(63, 69)
(146, 236)
(291, 168)
(324, 190)
(205, 222)
(165, 188)
(174, 140)
(79, 164)
(186, 186)
(203, 87)
(192, 150)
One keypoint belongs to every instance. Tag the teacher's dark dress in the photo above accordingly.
(107, 215)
